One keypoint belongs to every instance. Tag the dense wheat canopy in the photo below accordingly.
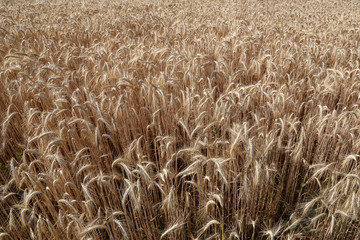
(179, 119)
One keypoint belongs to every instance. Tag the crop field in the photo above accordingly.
(144, 119)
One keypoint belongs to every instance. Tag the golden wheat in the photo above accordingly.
(179, 119)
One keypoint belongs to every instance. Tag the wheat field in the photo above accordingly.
(179, 119)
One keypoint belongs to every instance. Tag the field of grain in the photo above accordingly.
(179, 119)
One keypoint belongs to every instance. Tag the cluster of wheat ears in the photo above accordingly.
(179, 119)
